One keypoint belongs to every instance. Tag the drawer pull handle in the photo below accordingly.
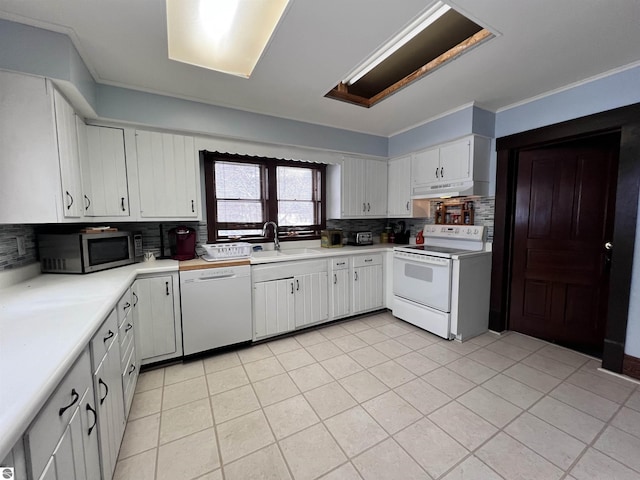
(335, 279)
(75, 396)
(368, 259)
(166, 286)
(128, 327)
(355, 276)
(193, 207)
(126, 305)
(88, 204)
(106, 390)
(108, 336)
(95, 418)
(291, 288)
(122, 204)
(340, 263)
(132, 369)
(297, 284)
(135, 299)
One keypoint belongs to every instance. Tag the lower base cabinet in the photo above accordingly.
(367, 283)
(157, 310)
(297, 299)
(107, 384)
(340, 289)
(62, 442)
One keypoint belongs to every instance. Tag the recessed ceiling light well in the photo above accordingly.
(439, 35)
(228, 36)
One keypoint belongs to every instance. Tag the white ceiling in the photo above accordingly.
(542, 45)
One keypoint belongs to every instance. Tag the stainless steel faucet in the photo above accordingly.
(276, 242)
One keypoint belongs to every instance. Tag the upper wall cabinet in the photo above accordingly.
(457, 168)
(167, 175)
(30, 189)
(399, 199)
(104, 171)
(69, 157)
(357, 188)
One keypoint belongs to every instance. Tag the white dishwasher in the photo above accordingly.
(216, 307)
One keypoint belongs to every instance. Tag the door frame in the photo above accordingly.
(626, 120)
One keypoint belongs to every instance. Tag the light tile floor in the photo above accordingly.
(376, 398)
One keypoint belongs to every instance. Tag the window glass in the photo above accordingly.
(237, 181)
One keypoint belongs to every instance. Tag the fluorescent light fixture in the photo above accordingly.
(414, 28)
(224, 35)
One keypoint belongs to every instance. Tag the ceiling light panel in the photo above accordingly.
(224, 35)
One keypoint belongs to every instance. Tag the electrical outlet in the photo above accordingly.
(22, 248)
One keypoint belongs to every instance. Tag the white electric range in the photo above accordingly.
(443, 286)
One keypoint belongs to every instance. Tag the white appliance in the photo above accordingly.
(443, 286)
(216, 307)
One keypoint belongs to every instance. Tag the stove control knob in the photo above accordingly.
(457, 230)
(468, 231)
(475, 231)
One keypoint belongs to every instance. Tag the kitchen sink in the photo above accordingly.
(298, 251)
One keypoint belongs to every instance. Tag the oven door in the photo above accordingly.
(423, 279)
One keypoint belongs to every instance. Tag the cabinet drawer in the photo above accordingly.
(50, 423)
(367, 260)
(103, 339)
(124, 306)
(339, 263)
(125, 350)
(129, 380)
(125, 331)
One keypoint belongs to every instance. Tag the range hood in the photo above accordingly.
(450, 189)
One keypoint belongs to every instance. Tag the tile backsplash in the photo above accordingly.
(153, 232)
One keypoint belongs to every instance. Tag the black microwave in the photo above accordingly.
(88, 252)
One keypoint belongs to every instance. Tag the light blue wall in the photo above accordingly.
(41, 52)
(599, 95)
(48, 54)
(173, 113)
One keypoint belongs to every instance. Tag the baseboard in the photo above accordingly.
(631, 367)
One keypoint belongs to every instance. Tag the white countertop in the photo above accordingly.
(45, 323)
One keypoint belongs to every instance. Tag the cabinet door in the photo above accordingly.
(375, 174)
(399, 188)
(167, 175)
(104, 172)
(340, 289)
(353, 188)
(455, 160)
(367, 288)
(69, 157)
(311, 298)
(29, 169)
(156, 321)
(274, 307)
(89, 422)
(425, 167)
(111, 421)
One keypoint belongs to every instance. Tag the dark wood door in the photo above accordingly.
(563, 218)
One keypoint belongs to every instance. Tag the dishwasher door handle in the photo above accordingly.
(220, 277)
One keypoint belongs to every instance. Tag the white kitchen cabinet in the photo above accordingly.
(451, 164)
(311, 298)
(16, 460)
(30, 190)
(159, 320)
(340, 288)
(399, 202)
(69, 157)
(367, 286)
(167, 175)
(107, 384)
(289, 295)
(129, 364)
(274, 307)
(104, 171)
(61, 443)
(357, 188)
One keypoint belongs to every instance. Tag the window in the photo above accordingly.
(243, 193)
